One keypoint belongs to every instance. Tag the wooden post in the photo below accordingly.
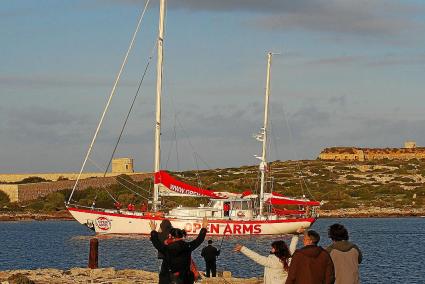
(93, 255)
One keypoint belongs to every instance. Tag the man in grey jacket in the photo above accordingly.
(345, 255)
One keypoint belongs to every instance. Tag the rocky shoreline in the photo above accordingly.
(372, 212)
(102, 275)
(365, 212)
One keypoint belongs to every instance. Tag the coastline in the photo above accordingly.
(102, 275)
(370, 212)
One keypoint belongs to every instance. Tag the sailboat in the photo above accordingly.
(229, 214)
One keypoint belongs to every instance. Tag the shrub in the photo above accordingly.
(32, 180)
(4, 198)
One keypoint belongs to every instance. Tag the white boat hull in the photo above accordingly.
(136, 223)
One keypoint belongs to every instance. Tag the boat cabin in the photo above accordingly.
(235, 209)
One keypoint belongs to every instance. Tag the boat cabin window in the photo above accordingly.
(241, 205)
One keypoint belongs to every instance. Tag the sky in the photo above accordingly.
(349, 73)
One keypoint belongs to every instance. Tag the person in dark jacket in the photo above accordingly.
(345, 255)
(210, 253)
(311, 264)
(178, 252)
(163, 234)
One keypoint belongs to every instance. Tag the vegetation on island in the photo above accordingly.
(340, 184)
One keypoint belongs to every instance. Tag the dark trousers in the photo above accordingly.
(211, 267)
(164, 273)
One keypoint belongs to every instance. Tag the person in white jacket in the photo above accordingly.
(276, 265)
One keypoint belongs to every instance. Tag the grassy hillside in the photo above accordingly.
(340, 184)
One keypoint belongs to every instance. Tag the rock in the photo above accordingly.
(227, 274)
(79, 271)
(103, 276)
(102, 272)
(19, 279)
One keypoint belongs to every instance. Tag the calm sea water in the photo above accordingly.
(393, 248)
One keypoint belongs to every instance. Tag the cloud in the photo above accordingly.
(340, 101)
(390, 60)
(42, 125)
(379, 18)
(53, 81)
(338, 60)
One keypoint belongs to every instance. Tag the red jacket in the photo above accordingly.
(311, 264)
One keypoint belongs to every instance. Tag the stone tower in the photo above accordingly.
(122, 165)
(410, 144)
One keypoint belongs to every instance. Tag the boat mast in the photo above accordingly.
(160, 43)
(263, 134)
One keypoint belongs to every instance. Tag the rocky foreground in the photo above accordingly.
(103, 275)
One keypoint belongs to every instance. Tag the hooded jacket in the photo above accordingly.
(311, 264)
(346, 257)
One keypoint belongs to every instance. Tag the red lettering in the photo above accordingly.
(196, 227)
(257, 229)
(237, 229)
(214, 228)
(227, 229)
(247, 229)
(188, 227)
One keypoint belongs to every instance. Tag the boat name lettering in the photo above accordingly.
(103, 223)
(229, 229)
(179, 189)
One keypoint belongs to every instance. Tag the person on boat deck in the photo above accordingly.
(163, 234)
(117, 205)
(276, 264)
(311, 264)
(130, 207)
(210, 253)
(178, 252)
(226, 208)
(144, 207)
(345, 255)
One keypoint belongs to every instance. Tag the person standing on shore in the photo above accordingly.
(163, 234)
(345, 255)
(210, 253)
(276, 264)
(178, 252)
(311, 264)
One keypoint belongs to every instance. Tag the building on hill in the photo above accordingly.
(410, 151)
(17, 191)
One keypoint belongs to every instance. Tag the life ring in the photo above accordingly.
(240, 214)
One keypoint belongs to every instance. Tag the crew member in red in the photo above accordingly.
(117, 205)
(144, 207)
(130, 207)
(226, 208)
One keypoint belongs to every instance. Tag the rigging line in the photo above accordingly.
(111, 95)
(275, 148)
(176, 141)
(189, 142)
(130, 182)
(295, 150)
(129, 111)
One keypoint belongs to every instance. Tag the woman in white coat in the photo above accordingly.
(276, 265)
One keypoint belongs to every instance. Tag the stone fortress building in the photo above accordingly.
(60, 181)
(408, 152)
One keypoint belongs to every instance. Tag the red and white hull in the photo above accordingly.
(136, 223)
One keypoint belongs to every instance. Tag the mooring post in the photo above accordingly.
(93, 255)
